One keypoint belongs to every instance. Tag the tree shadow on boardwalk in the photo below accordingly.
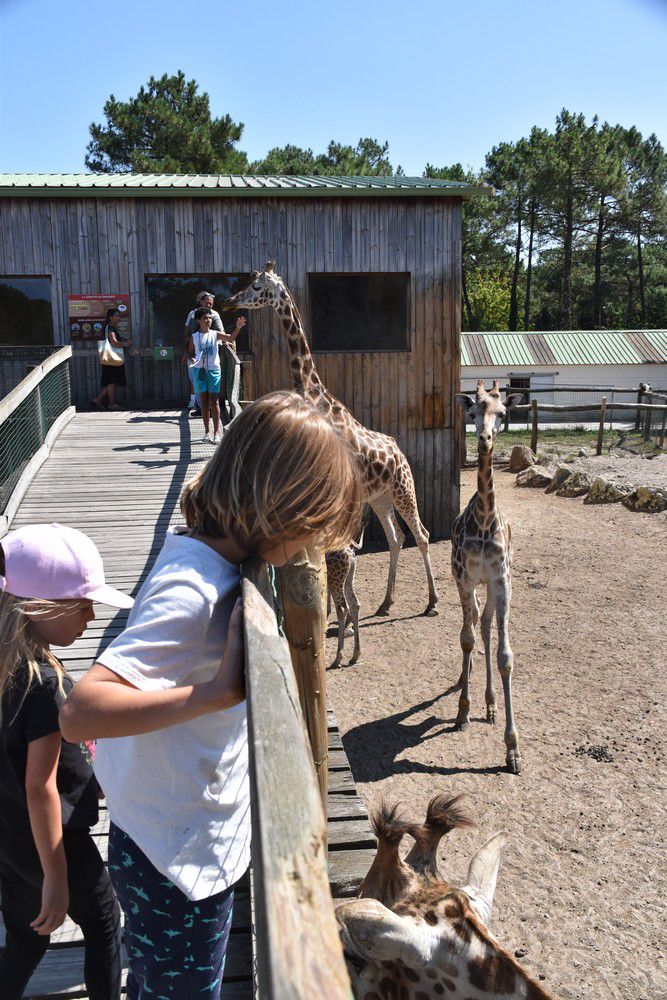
(373, 747)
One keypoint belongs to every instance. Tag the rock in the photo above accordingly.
(647, 499)
(535, 476)
(562, 473)
(549, 459)
(575, 485)
(585, 453)
(520, 458)
(605, 491)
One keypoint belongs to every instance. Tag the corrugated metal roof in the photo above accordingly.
(74, 185)
(564, 347)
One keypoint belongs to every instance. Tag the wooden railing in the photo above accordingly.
(299, 954)
(31, 417)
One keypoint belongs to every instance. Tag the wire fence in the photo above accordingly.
(23, 430)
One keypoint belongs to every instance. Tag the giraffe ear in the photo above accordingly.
(369, 930)
(466, 401)
(515, 399)
(483, 874)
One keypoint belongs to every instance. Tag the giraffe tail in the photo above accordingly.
(442, 816)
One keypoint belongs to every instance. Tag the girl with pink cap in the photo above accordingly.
(50, 575)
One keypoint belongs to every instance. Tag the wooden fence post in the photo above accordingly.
(662, 429)
(301, 586)
(533, 433)
(603, 409)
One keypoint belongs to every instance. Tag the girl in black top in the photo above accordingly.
(49, 863)
(112, 375)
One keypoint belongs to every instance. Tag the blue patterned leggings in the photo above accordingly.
(176, 948)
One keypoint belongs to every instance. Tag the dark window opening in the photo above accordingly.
(25, 311)
(172, 296)
(359, 312)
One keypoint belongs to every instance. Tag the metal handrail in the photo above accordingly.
(31, 417)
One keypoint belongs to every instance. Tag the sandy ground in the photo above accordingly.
(581, 891)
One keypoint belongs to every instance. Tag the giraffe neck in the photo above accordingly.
(302, 367)
(485, 508)
(492, 969)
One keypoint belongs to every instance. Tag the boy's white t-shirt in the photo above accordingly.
(181, 793)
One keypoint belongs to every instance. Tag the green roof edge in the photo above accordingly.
(324, 187)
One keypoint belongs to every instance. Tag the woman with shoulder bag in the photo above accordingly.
(113, 368)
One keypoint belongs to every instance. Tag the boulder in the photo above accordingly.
(605, 491)
(550, 458)
(562, 473)
(535, 476)
(520, 458)
(576, 485)
(648, 499)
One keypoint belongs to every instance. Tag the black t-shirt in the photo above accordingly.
(28, 718)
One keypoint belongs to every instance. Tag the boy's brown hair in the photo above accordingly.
(281, 472)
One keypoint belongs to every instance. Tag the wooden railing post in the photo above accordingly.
(533, 433)
(603, 409)
(298, 949)
(301, 586)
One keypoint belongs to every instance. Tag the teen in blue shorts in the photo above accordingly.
(205, 370)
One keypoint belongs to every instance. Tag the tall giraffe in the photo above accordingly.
(414, 936)
(387, 479)
(482, 554)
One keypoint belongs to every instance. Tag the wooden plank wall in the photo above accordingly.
(97, 244)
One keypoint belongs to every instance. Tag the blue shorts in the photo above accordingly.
(206, 380)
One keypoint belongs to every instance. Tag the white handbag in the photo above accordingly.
(110, 355)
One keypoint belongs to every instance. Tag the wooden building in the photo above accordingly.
(374, 264)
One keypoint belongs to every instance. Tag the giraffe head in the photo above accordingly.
(487, 410)
(415, 936)
(265, 288)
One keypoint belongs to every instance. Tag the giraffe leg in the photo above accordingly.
(353, 604)
(407, 508)
(470, 610)
(341, 612)
(505, 664)
(384, 509)
(487, 619)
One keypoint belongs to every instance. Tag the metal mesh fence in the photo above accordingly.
(23, 432)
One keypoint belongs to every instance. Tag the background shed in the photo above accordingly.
(378, 259)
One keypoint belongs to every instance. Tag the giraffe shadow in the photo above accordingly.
(373, 748)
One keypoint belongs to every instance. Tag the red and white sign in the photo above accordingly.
(88, 315)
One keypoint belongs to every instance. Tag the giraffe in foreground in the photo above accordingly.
(387, 479)
(413, 936)
(482, 554)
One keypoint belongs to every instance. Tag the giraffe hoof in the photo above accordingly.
(431, 612)
(461, 725)
(382, 611)
(514, 762)
(353, 660)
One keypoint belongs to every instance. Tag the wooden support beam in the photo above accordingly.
(603, 408)
(533, 432)
(302, 593)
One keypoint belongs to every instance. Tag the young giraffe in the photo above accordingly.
(387, 478)
(413, 936)
(482, 554)
(341, 570)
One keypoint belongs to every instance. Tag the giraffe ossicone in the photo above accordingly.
(388, 486)
(412, 935)
(482, 555)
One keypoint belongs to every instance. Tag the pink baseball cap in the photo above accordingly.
(56, 563)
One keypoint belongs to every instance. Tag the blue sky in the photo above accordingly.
(440, 81)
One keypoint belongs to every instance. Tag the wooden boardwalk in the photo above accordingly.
(118, 476)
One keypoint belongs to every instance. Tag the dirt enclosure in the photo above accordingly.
(581, 894)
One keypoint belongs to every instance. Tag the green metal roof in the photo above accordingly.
(564, 347)
(231, 185)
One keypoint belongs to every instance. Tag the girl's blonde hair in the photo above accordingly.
(282, 472)
(19, 643)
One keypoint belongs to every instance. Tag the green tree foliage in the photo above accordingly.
(577, 230)
(367, 158)
(166, 128)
